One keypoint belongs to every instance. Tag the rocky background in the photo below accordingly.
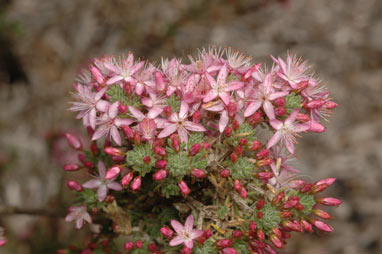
(43, 44)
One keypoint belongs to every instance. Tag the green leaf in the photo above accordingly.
(242, 169)
(135, 157)
(174, 103)
(178, 164)
(244, 131)
(116, 93)
(222, 212)
(293, 101)
(307, 201)
(241, 247)
(208, 247)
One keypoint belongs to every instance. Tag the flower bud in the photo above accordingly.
(260, 235)
(330, 105)
(277, 232)
(252, 226)
(286, 214)
(235, 125)
(264, 153)
(314, 104)
(224, 173)
(94, 148)
(223, 243)
(229, 250)
(302, 117)
(122, 108)
(167, 232)
(255, 118)
(329, 201)
(167, 110)
(232, 109)
(73, 185)
(260, 204)
(276, 241)
(127, 131)
(264, 162)
(237, 234)
(228, 132)
(136, 183)
(128, 246)
(321, 225)
(316, 127)
(302, 85)
(255, 145)
(161, 164)
(196, 117)
(206, 145)
(278, 198)
(175, 142)
(260, 214)
(160, 175)
(138, 244)
(207, 233)
(233, 157)
(146, 159)
(280, 111)
(160, 151)
(73, 141)
(243, 141)
(152, 247)
(184, 187)
(243, 193)
(126, 179)
(198, 173)
(239, 150)
(289, 204)
(237, 185)
(186, 250)
(71, 167)
(89, 164)
(195, 149)
(113, 151)
(265, 175)
(306, 188)
(306, 226)
(113, 172)
(321, 214)
(316, 188)
(279, 102)
(328, 181)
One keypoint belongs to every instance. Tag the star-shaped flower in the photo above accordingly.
(186, 233)
(80, 214)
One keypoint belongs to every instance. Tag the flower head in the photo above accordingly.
(80, 214)
(186, 233)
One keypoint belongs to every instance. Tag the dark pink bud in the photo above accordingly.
(278, 198)
(228, 132)
(167, 110)
(260, 204)
(290, 204)
(277, 232)
(136, 183)
(184, 187)
(196, 117)
(260, 235)
(235, 125)
(128, 246)
(159, 81)
(264, 162)
(231, 108)
(316, 127)
(265, 175)
(206, 145)
(321, 225)
(321, 214)
(127, 88)
(73, 141)
(286, 214)
(96, 73)
(126, 179)
(314, 104)
(119, 158)
(243, 193)
(175, 142)
(146, 159)
(330, 105)
(252, 226)
(279, 102)
(316, 188)
(160, 151)
(276, 241)
(260, 214)
(127, 131)
(233, 157)
(255, 145)
(329, 201)
(152, 247)
(73, 185)
(167, 232)
(198, 173)
(264, 153)
(113, 172)
(195, 149)
(328, 181)
(160, 175)
(306, 188)
(161, 164)
(94, 148)
(71, 167)
(224, 173)
(280, 111)
(90, 131)
(302, 117)
(239, 150)
(229, 250)
(306, 226)
(89, 164)
(255, 118)
(138, 244)
(302, 85)
(112, 151)
(122, 108)
(224, 243)
(237, 234)
(186, 250)
(237, 185)
(207, 233)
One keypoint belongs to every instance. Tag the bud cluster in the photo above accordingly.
(179, 142)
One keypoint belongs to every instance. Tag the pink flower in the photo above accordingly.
(88, 103)
(220, 87)
(237, 61)
(101, 183)
(263, 96)
(178, 122)
(123, 69)
(109, 124)
(287, 131)
(175, 75)
(186, 234)
(3, 239)
(80, 214)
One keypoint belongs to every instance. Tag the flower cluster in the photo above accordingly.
(178, 138)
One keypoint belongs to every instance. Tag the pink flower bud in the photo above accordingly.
(94, 148)
(82, 158)
(160, 151)
(329, 201)
(175, 142)
(302, 85)
(276, 241)
(73, 141)
(196, 117)
(264, 153)
(138, 244)
(198, 173)
(278, 198)
(328, 181)
(239, 150)
(264, 162)
(224, 173)
(232, 109)
(228, 132)
(167, 110)
(255, 118)
(260, 204)
(127, 131)
(330, 105)
(237, 234)
(279, 102)
(243, 193)
(207, 233)
(306, 226)
(260, 214)
(73, 185)
(260, 235)
(316, 127)
(159, 81)
(302, 117)
(306, 188)
(265, 175)
(243, 141)
(71, 167)
(321, 214)
(289, 204)
(252, 226)
(224, 243)
(96, 73)
(195, 149)
(146, 159)
(206, 145)
(256, 145)
(184, 187)
(161, 164)
(152, 247)
(113, 151)
(237, 185)
(160, 175)
(314, 104)
(136, 183)
(119, 158)
(113, 172)
(89, 164)
(126, 179)
(321, 225)
(167, 232)
(316, 188)
(277, 232)
(186, 250)
(122, 108)
(280, 111)
(249, 73)
(229, 250)
(286, 214)
(128, 246)
(233, 157)
(235, 125)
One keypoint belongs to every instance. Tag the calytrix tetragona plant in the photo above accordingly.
(176, 163)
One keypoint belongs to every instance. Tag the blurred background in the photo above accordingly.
(43, 45)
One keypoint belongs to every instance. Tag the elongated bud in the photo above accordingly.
(235, 125)
(184, 187)
(292, 226)
(265, 175)
(195, 149)
(264, 153)
(120, 158)
(159, 81)
(198, 173)
(160, 175)
(302, 85)
(186, 250)
(314, 104)
(302, 117)
(252, 226)
(255, 118)
(276, 241)
(260, 214)
(136, 183)
(161, 164)
(278, 198)
(237, 185)
(137, 138)
(127, 131)
(237, 234)
(152, 247)
(277, 232)
(306, 226)
(233, 157)
(71, 167)
(260, 204)
(127, 88)
(243, 193)
(223, 243)
(229, 250)
(243, 141)
(139, 244)
(89, 164)
(255, 145)
(94, 148)
(73, 141)
(329, 201)
(206, 145)
(167, 232)
(319, 188)
(321, 225)
(289, 204)
(207, 233)
(160, 151)
(286, 214)
(113, 172)
(239, 150)
(306, 188)
(264, 162)
(224, 173)
(328, 181)
(167, 110)
(330, 105)
(126, 179)
(280, 111)
(228, 132)
(316, 127)
(73, 185)
(321, 214)
(113, 151)
(260, 235)
(196, 117)
(175, 142)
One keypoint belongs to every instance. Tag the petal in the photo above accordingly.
(223, 122)
(113, 110)
(87, 217)
(196, 233)
(100, 93)
(111, 67)
(114, 79)
(114, 186)
(252, 108)
(101, 169)
(101, 193)
(79, 223)
(189, 224)
(177, 226)
(168, 130)
(212, 94)
(70, 217)
(189, 244)
(289, 145)
(122, 121)
(136, 113)
(115, 135)
(161, 123)
(276, 124)
(176, 241)
(183, 135)
(183, 112)
(225, 97)
(154, 112)
(193, 126)
(301, 127)
(274, 140)
(222, 76)
(102, 105)
(292, 117)
(268, 109)
(100, 132)
(92, 118)
(211, 80)
(91, 184)
(235, 85)
(148, 102)
(277, 95)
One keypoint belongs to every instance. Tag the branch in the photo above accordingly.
(4, 211)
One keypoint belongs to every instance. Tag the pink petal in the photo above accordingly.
(161, 123)
(223, 122)
(189, 244)
(101, 169)
(176, 241)
(91, 184)
(276, 124)
(212, 94)
(113, 110)
(102, 105)
(289, 145)
(87, 217)
(154, 112)
(168, 130)
(268, 109)
(292, 117)
(100, 93)
(196, 233)
(301, 127)
(252, 108)
(277, 95)
(114, 186)
(138, 66)
(235, 85)
(101, 193)
(122, 121)
(111, 67)
(211, 80)
(70, 217)
(115, 135)
(148, 102)
(225, 97)
(282, 65)
(193, 126)
(100, 132)
(170, 90)
(189, 224)
(222, 76)
(139, 88)
(113, 172)
(136, 113)
(274, 140)
(92, 118)
(114, 80)
(79, 223)
(183, 112)
(177, 226)
(183, 136)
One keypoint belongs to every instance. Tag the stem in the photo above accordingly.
(9, 211)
